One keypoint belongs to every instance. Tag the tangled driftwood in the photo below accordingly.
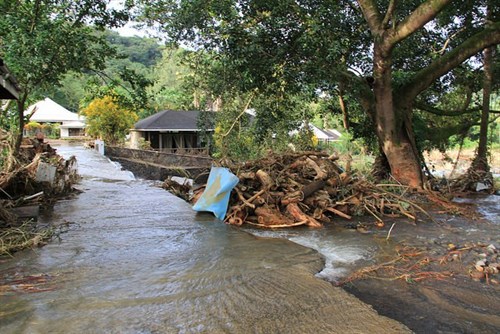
(22, 185)
(306, 188)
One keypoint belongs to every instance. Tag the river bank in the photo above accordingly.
(421, 274)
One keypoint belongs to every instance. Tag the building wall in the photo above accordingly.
(64, 132)
(135, 137)
(173, 142)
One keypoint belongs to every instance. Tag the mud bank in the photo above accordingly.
(450, 300)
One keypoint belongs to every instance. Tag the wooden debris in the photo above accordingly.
(304, 188)
(16, 238)
(179, 190)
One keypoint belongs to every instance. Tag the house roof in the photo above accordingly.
(49, 111)
(9, 88)
(321, 134)
(325, 134)
(171, 120)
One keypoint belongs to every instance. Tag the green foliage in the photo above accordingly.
(132, 96)
(305, 47)
(305, 140)
(41, 41)
(50, 130)
(233, 137)
(144, 144)
(140, 50)
(170, 89)
(70, 91)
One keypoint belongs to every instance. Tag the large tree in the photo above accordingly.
(402, 48)
(43, 40)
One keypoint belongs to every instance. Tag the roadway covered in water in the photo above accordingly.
(136, 259)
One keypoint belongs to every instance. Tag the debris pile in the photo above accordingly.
(306, 188)
(27, 235)
(39, 169)
(414, 264)
(36, 176)
(410, 264)
(178, 189)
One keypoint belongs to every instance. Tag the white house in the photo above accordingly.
(325, 135)
(47, 111)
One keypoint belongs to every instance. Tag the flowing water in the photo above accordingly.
(135, 259)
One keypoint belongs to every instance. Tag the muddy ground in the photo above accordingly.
(434, 286)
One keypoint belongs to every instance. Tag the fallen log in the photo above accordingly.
(299, 215)
(271, 216)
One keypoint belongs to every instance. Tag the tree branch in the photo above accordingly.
(105, 76)
(389, 14)
(417, 19)
(448, 40)
(371, 15)
(440, 112)
(425, 77)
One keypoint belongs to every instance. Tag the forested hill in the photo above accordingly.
(142, 50)
(134, 56)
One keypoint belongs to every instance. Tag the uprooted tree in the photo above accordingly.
(402, 48)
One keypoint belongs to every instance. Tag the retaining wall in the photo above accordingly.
(155, 165)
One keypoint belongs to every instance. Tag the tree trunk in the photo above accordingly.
(392, 124)
(20, 115)
(480, 160)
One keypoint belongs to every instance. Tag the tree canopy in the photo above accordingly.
(382, 55)
(41, 41)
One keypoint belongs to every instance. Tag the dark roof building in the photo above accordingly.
(9, 88)
(171, 120)
(175, 131)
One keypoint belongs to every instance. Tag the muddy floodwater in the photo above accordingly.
(132, 258)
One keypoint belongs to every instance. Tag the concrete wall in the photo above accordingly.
(158, 165)
(160, 158)
(64, 132)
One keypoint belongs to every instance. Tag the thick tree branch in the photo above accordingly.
(417, 19)
(473, 45)
(371, 15)
(440, 112)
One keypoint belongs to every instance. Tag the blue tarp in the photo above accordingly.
(215, 198)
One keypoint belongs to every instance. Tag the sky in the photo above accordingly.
(127, 30)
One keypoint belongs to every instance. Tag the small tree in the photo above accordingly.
(108, 120)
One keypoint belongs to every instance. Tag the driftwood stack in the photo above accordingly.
(306, 188)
